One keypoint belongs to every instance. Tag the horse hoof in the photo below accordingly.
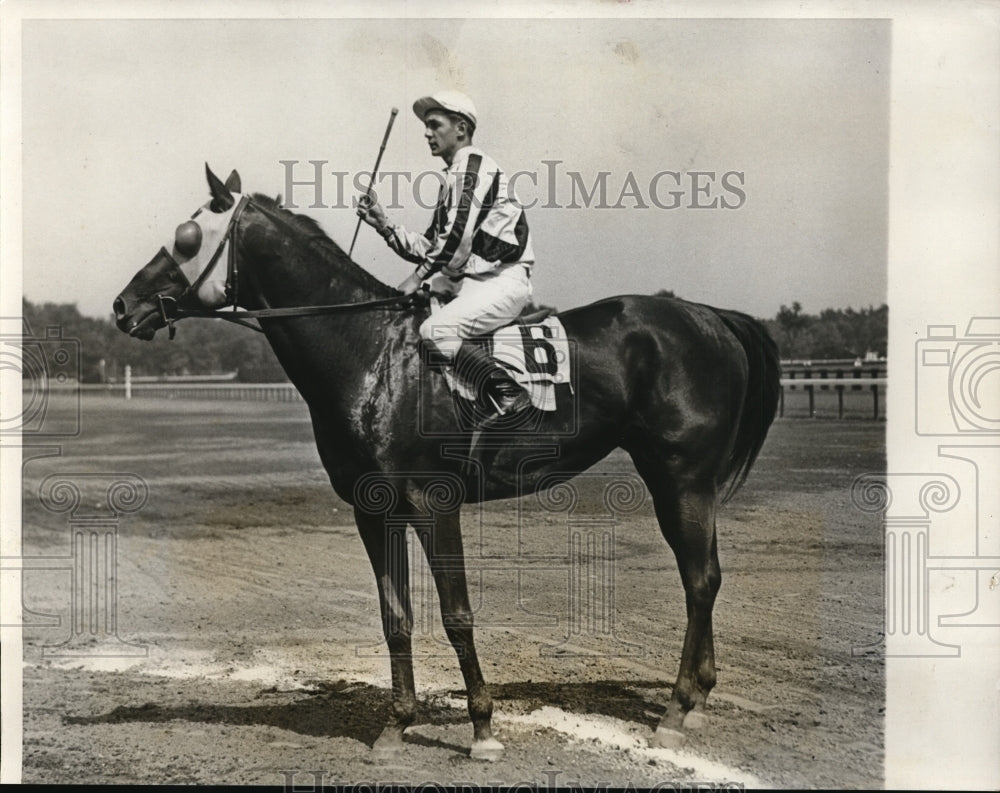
(386, 751)
(489, 749)
(389, 744)
(695, 720)
(665, 738)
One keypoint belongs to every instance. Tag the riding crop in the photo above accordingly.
(371, 182)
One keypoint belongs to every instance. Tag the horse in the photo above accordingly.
(687, 390)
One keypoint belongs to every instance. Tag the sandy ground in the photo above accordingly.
(247, 647)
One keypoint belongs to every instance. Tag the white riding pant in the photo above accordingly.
(482, 302)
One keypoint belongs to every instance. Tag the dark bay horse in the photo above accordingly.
(689, 391)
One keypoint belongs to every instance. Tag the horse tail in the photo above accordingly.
(760, 403)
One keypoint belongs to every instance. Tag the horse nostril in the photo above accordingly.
(118, 307)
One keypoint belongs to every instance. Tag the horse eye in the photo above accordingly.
(187, 239)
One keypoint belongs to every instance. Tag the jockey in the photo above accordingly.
(477, 249)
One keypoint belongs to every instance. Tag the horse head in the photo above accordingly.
(184, 272)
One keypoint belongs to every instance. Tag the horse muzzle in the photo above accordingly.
(149, 302)
(140, 321)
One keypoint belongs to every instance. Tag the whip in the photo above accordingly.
(371, 182)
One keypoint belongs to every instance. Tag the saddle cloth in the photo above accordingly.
(536, 355)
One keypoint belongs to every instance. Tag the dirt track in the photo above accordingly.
(244, 589)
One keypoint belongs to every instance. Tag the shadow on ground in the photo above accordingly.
(616, 698)
(359, 711)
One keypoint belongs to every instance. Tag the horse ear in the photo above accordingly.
(222, 198)
(233, 183)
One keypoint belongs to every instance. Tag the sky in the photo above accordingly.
(785, 122)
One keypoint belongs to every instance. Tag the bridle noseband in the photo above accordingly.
(171, 309)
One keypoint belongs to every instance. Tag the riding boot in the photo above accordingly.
(432, 357)
(491, 383)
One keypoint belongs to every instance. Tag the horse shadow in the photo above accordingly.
(359, 711)
(628, 700)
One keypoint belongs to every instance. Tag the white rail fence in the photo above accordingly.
(816, 390)
(876, 386)
(248, 392)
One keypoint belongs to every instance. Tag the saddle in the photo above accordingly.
(536, 317)
(533, 349)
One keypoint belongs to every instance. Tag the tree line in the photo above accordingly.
(202, 346)
(833, 333)
(209, 346)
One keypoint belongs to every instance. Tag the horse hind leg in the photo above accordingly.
(687, 521)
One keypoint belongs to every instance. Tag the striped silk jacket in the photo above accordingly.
(477, 225)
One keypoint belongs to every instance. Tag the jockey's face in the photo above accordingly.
(444, 135)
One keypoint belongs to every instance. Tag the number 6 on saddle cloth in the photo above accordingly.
(534, 350)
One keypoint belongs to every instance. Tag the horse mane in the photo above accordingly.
(330, 253)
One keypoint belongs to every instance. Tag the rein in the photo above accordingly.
(171, 311)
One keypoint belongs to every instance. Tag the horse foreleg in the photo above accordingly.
(688, 524)
(442, 544)
(386, 547)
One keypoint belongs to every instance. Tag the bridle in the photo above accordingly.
(171, 308)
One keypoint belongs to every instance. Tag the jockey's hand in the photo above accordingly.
(371, 212)
(411, 284)
(421, 298)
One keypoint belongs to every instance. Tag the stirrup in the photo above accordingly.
(519, 403)
(501, 415)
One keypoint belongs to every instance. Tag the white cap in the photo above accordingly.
(451, 101)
